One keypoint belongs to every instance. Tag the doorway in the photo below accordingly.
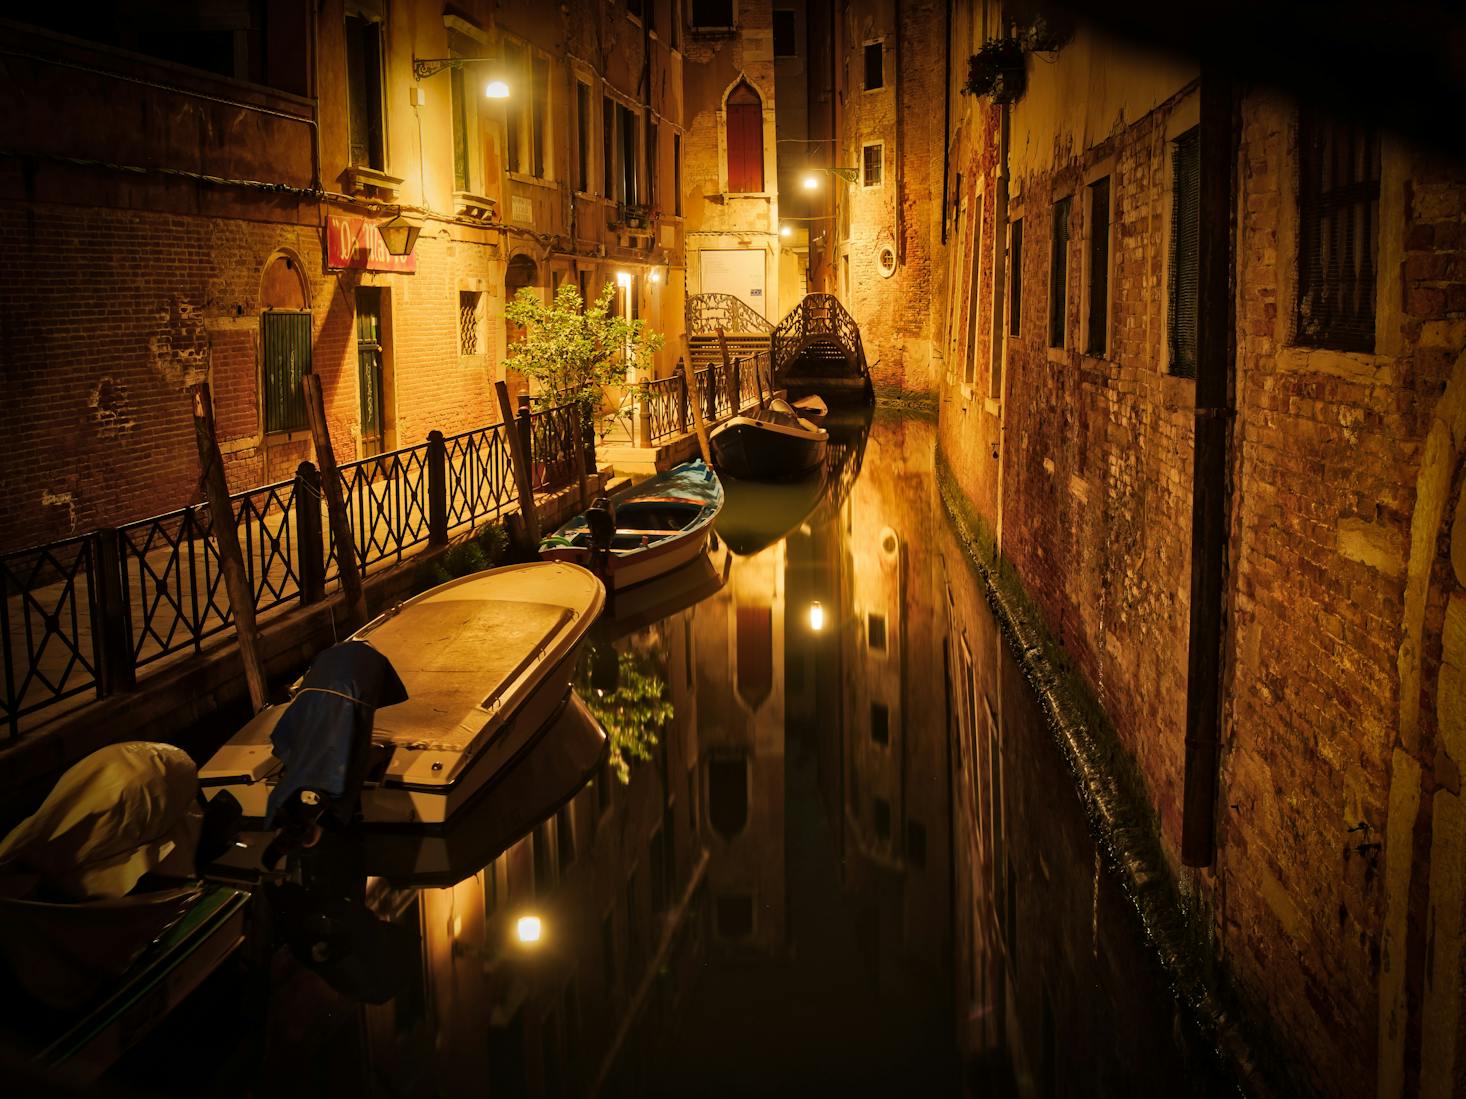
(372, 382)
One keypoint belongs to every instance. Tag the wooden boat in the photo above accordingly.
(486, 661)
(770, 444)
(660, 524)
(812, 408)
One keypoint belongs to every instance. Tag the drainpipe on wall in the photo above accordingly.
(1216, 355)
(946, 115)
(900, 148)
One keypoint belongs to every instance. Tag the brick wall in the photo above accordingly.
(112, 314)
(1092, 497)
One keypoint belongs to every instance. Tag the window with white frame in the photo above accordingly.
(872, 164)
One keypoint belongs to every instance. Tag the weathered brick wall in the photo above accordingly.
(96, 368)
(903, 212)
(1094, 506)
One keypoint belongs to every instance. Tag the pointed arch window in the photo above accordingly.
(745, 140)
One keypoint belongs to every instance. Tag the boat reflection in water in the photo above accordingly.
(845, 758)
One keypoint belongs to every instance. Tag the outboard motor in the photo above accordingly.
(600, 521)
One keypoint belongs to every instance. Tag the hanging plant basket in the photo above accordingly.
(997, 70)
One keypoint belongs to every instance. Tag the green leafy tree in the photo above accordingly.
(572, 353)
(633, 712)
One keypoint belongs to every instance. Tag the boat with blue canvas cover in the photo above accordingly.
(644, 531)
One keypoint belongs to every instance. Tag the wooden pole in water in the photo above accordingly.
(346, 564)
(734, 402)
(520, 461)
(694, 399)
(226, 536)
(578, 442)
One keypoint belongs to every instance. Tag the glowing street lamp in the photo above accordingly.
(811, 182)
(496, 89)
(816, 616)
(786, 231)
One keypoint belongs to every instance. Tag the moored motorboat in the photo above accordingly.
(648, 529)
(812, 408)
(769, 444)
(486, 662)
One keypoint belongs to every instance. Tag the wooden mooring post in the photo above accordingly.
(226, 537)
(346, 563)
(689, 377)
(520, 461)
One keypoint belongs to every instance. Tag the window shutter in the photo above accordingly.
(1184, 253)
(745, 140)
(287, 359)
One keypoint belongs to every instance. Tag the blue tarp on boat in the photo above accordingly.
(323, 736)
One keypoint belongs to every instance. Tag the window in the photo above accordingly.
(783, 33)
(969, 362)
(745, 140)
(608, 145)
(875, 631)
(582, 136)
(1059, 274)
(468, 313)
(651, 163)
(677, 174)
(514, 67)
(882, 814)
(1015, 276)
(1098, 319)
(1185, 261)
(875, 69)
(539, 101)
(286, 336)
(364, 92)
(871, 165)
(626, 120)
(712, 13)
(1338, 233)
(460, 131)
(880, 724)
(916, 844)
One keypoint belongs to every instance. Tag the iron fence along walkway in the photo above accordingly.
(87, 614)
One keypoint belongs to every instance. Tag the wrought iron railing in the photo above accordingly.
(51, 649)
(665, 401)
(819, 318)
(86, 613)
(706, 313)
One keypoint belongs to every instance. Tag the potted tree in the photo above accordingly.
(996, 69)
(573, 351)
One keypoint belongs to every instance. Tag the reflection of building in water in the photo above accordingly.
(895, 755)
(740, 654)
(614, 878)
(1051, 969)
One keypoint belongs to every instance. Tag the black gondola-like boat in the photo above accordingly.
(769, 444)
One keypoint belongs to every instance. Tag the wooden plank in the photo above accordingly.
(226, 536)
(694, 400)
(520, 461)
(346, 564)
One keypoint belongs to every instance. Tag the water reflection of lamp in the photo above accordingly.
(816, 616)
(528, 929)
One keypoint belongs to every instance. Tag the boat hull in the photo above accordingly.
(752, 450)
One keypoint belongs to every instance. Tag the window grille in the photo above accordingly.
(468, 302)
(875, 74)
(1059, 273)
(1185, 260)
(873, 165)
(286, 336)
(1338, 233)
(1099, 266)
(1015, 278)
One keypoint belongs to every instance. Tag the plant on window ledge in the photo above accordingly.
(634, 216)
(996, 69)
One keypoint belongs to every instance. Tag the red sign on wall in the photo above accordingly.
(355, 242)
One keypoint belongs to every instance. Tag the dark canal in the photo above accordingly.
(853, 864)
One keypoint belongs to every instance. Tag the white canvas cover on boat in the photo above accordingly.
(125, 810)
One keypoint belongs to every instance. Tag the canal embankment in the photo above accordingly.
(1121, 817)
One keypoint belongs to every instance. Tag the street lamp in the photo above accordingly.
(399, 235)
(496, 88)
(811, 181)
(786, 230)
(528, 929)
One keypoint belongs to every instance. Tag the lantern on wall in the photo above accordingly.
(400, 234)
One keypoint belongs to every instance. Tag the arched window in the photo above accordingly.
(745, 139)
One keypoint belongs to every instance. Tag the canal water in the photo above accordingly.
(852, 861)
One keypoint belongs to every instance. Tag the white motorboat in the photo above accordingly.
(486, 661)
